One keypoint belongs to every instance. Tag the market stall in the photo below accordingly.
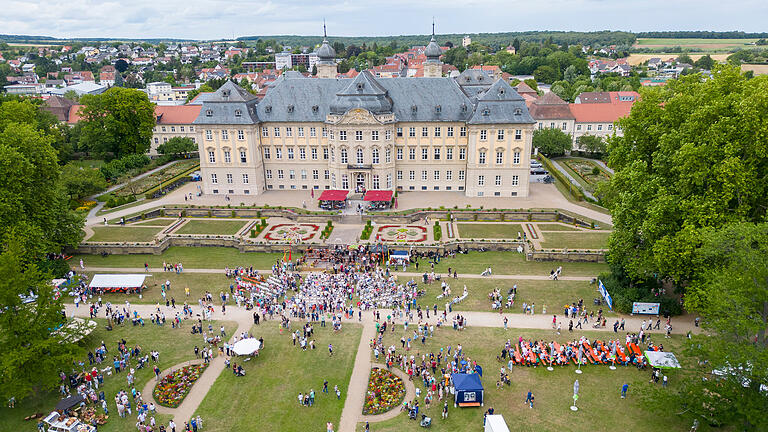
(60, 423)
(117, 283)
(333, 199)
(379, 199)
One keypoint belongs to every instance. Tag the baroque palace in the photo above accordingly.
(468, 134)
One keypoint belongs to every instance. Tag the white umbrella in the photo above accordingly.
(247, 346)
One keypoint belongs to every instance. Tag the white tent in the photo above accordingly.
(76, 329)
(117, 280)
(660, 359)
(247, 346)
(495, 423)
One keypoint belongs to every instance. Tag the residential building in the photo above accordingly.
(173, 121)
(466, 41)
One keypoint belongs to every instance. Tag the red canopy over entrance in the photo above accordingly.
(333, 195)
(378, 195)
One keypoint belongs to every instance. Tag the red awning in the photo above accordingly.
(333, 195)
(378, 195)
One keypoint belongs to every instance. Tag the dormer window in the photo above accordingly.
(268, 109)
(463, 108)
(225, 93)
(438, 109)
(360, 86)
(238, 113)
(290, 108)
(486, 112)
(518, 111)
(480, 78)
(315, 109)
(468, 79)
(209, 113)
(414, 109)
(501, 92)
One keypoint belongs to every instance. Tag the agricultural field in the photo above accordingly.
(636, 59)
(704, 45)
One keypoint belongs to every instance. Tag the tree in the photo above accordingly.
(551, 141)
(34, 210)
(72, 95)
(684, 58)
(731, 295)
(688, 161)
(32, 354)
(177, 146)
(121, 65)
(532, 83)
(571, 74)
(118, 122)
(546, 74)
(82, 182)
(705, 62)
(592, 144)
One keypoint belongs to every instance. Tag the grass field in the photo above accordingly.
(509, 263)
(556, 227)
(483, 230)
(758, 69)
(600, 405)
(220, 227)
(552, 294)
(190, 257)
(582, 240)
(266, 398)
(161, 222)
(123, 234)
(175, 346)
(706, 45)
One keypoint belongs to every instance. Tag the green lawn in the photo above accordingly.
(198, 284)
(600, 405)
(489, 230)
(161, 222)
(175, 346)
(220, 227)
(581, 240)
(508, 263)
(266, 398)
(190, 257)
(123, 234)
(556, 227)
(552, 294)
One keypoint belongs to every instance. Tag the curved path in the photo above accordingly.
(358, 383)
(410, 394)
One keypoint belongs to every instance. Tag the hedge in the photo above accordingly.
(576, 193)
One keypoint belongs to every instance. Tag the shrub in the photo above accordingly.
(437, 230)
(595, 171)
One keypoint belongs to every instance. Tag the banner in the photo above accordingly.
(604, 293)
(645, 308)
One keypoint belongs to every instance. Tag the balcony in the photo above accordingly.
(359, 166)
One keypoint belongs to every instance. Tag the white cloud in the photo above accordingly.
(222, 19)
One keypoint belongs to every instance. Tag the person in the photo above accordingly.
(172, 426)
(529, 399)
(329, 427)
(445, 410)
(41, 426)
(664, 381)
(505, 322)
(624, 389)
(330, 350)
(695, 425)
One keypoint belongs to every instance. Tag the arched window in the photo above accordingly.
(359, 156)
(375, 156)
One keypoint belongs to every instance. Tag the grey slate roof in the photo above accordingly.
(433, 51)
(230, 104)
(295, 98)
(501, 104)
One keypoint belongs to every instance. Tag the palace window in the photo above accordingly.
(516, 157)
(376, 181)
(437, 153)
(449, 153)
(389, 181)
(324, 131)
(229, 179)
(290, 153)
(245, 178)
(462, 154)
(449, 175)
(399, 175)
(302, 153)
(313, 152)
(264, 132)
(483, 134)
(224, 134)
(411, 175)
(374, 135)
(399, 132)
(277, 132)
(269, 174)
(243, 159)
(449, 133)
(214, 179)
(498, 180)
(481, 158)
(437, 132)
(315, 174)
(312, 132)
(289, 132)
(374, 156)
(301, 132)
(325, 153)
(461, 175)
(437, 175)
(462, 131)
(266, 152)
(388, 155)
(344, 158)
(278, 152)
(211, 157)
(359, 156)
(515, 180)
(424, 153)
(425, 132)
(499, 157)
(208, 135)
(500, 135)
(481, 180)
(424, 175)
(518, 134)
(240, 135)
(412, 153)
(358, 135)
(388, 135)
(411, 132)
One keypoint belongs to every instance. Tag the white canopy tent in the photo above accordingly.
(76, 329)
(664, 360)
(247, 346)
(111, 282)
(495, 423)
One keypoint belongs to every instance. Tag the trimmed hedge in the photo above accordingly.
(576, 193)
(437, 230)
(367, 230)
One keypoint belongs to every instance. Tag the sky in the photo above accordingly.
(219, 19)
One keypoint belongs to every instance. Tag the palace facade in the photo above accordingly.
(471, 134)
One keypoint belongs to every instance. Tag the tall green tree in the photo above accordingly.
(731, 295)
(82, 182)
(693, 156)
(592, 143)
(177, 146)
(118, 122)
(34, 208)
(551, 141)
(32, 354)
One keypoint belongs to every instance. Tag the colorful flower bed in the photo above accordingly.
(172, 388)
(385, 391)
(291, 232)
(402, 233)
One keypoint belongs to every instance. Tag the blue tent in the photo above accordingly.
(468, 390)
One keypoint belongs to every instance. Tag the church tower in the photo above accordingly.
(326, 55)
(433, 68)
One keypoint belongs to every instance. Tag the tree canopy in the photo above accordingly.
(551, 141)
(177, 146)
(117, 122)
(694, 156)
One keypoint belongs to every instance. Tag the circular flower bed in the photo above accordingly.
(295, 232)
(172, 388)
(403, 233)
(385, 391)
